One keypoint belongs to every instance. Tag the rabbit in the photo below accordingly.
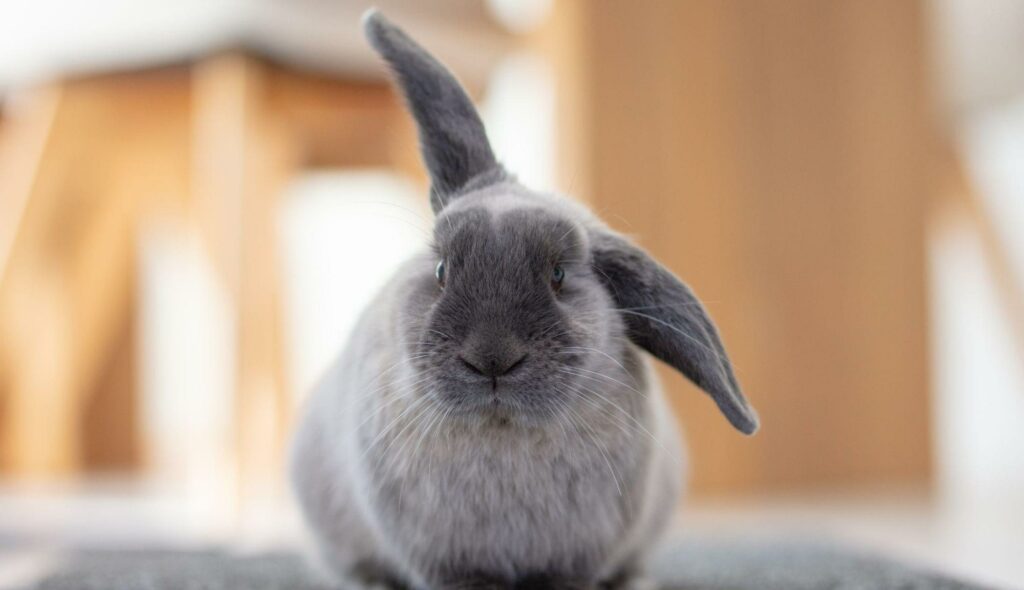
(493, 421)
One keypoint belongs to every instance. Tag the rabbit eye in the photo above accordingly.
(439, 272)
(557, 276)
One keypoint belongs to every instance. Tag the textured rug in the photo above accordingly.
(686, 564)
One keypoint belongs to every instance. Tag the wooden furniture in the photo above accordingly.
(205, 127)
(87, 163)
(778, 156)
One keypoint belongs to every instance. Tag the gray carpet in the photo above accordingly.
(682, 565)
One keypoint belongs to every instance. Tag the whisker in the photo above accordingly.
(427, 407)
(573, 371)
(423, 231)
(624, 427)
(608, 356)
(573, 227)
(415, 212)
(662, 306)
(557, 417)
(601, 449)
(396, 365)
(398, 455)
(442, 334)
(402, 394)
(632, 418)
(394, 385)
(415, 404)
(677, 330)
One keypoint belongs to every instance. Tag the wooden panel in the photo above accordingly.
(111, 438)
(23, 142)
(563, 40)
(774, 154)
(243, 158)
(337, 123)
(113, 146)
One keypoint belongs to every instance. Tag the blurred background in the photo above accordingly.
(198, 197)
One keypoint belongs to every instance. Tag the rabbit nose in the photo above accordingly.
(492, 358)
(491, 366)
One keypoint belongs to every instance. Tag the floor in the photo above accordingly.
(983, 543)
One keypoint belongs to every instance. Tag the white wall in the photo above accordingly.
(343, 235)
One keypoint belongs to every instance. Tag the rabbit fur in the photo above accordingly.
(493, 421)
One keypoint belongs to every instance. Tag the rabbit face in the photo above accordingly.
(512, 311)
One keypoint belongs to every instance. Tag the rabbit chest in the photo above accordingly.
(505, 498)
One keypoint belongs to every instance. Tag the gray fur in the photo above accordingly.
(417, 466)
(664, 317)
(452, 137)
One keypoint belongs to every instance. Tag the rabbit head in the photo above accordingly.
(525, 292)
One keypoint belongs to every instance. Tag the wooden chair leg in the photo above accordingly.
(243, 158)
(38, 432)
(109, 148)
(41, 429)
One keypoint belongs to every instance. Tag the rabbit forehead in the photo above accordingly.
(518, 224)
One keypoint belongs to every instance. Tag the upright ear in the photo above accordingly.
(452, 137)
(664, 317)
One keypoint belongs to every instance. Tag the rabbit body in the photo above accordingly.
(493, 421)
(389, 481)
(399, 492)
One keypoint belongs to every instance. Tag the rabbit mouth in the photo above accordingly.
(503, 401)
(499, 411)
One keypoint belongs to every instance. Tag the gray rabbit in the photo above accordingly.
(493, 422)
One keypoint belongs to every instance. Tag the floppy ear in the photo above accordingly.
(452, 137)
(664, 317)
